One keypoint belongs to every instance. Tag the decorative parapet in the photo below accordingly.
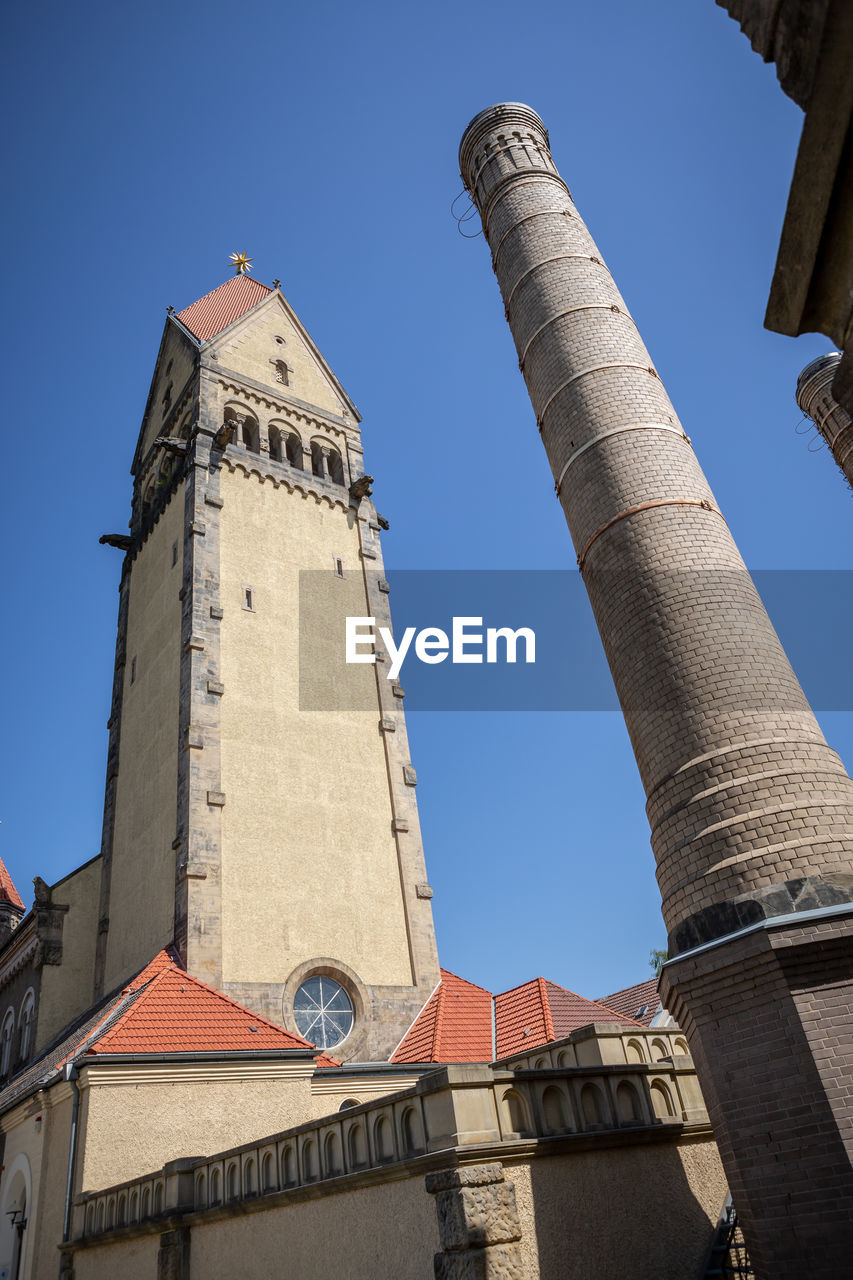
(455, 1115)
(604, 1043)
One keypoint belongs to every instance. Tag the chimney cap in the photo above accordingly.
(502, 113)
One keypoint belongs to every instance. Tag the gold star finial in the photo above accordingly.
(242, 263)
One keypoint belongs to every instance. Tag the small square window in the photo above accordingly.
(248, 599)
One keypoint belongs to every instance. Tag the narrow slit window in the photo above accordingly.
(132, 670)
(249, 599)
(339, 567)
(174, 554)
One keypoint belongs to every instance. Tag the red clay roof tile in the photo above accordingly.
(8, 892)
(177, 1013)
(455, 1025)
(630, 1000)
(222, 306)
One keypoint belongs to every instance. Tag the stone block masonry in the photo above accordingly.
(751, 813)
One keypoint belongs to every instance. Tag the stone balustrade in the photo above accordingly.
(465, 1109)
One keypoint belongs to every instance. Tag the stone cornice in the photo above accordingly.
(158, 1071)
(261, 394)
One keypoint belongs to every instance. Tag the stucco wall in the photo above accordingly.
(66, 989)
(43, 1149)
(146, 798)
(386, 1230)
(642, 1211)
(309, 862)
(133, 1260)
(134, 1127)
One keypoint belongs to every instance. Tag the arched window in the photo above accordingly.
(231, 1183)
(592, 1103)
(276, 444)
(134, 1206)
(158, 1198)
(250, 434)
(7, 1032)
(288, 1167)
(413, 1132)
(662, 1101)
(309, 1162)
(349, 1102)
(326, 462)
(121, 1213)
(382, 1144)
(332, 1155)
(660, 1050)
(201, 1190)
(554, 1110)
(634, 1051)
(293, 450)
(90, 1219)
(281, 372)
(250, 1178)
(215, 1187)
(628, 1104)
(514, 1112)
(268, 1172)
(356, 1147)
(146, 1204)
(25, 1021)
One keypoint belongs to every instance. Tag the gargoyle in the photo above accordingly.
(360, 488)
(382, 522)
(42, 891)
(120, 540)
(171, 444)
(225, 434)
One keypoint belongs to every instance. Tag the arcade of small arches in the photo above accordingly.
(16, 1034)
(284, 444)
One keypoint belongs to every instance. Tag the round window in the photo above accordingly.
(323, 1012)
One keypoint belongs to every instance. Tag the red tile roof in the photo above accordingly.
(176, 1013)
(325, 1060)
(216, 310)
(630, 1000)
(8, 892)
(455, 1025)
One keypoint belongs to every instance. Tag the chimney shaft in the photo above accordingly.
(751, 813)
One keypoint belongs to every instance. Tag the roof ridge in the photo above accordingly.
(577, 995)
(546, 1008)
(529, 983)
(439, 1010)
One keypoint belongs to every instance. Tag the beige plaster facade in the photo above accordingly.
(309, 856)
(143, 861)
(66, 989)
(138, 1117)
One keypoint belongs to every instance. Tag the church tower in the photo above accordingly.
(260, 822)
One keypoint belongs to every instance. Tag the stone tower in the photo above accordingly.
(751, 813)
(815, 398)
(274, 843)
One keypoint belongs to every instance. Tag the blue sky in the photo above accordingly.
(144, 144)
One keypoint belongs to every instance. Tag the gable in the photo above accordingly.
(269, 345)
(176, 364)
